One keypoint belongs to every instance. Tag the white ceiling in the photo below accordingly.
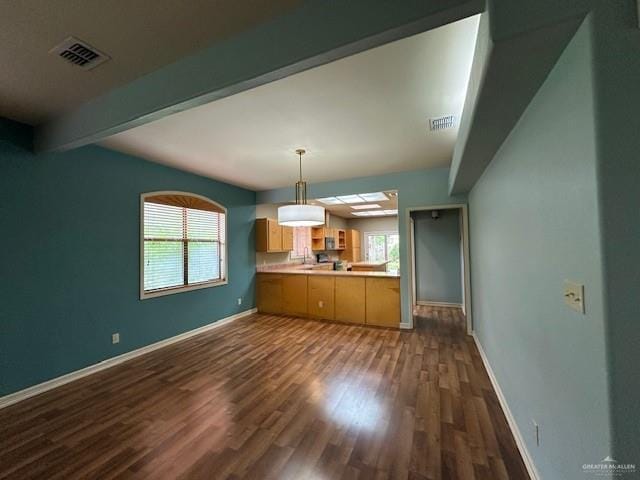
(362, 115)
(140, 36)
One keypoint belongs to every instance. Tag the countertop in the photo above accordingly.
(337, 273)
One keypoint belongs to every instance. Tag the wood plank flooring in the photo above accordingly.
(270, 397)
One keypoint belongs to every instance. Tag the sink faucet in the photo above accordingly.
(305, 253)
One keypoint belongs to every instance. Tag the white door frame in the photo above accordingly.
(465, 252)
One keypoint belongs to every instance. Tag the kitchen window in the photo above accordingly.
(183, 243)
(383, 246)
(301, 242)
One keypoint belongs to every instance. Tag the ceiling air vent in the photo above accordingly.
(441, 123)
(80, 53)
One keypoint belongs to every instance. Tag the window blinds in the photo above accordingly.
(182, 246)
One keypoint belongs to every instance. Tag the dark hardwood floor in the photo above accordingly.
(279, 398)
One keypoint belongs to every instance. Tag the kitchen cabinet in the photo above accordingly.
(269, 293)
(287, 238)
(383, 301)
(352, 249)
(294, 295)
(321, 297)
(366, 299)
(271, 237)
(317, 238)
(319, 234)
(350, 299)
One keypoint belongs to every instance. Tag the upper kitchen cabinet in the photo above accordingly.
(287, 238)
(352, 249)
(271, 237)
(324, 238)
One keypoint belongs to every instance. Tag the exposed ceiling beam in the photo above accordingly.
(514, 55)
(311, 35)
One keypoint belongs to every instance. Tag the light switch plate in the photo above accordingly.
(574, 295)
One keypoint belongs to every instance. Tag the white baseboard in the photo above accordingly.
(113, 361)
(405, 326)
(426, 303)
(528, 461)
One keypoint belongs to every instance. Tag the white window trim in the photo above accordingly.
(378, 232)
(171, 290)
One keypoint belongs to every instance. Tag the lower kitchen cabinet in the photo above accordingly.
(350, 299)
(383, 301)
(367, 300)
(269, 293)
(294, 295)
(321, 297)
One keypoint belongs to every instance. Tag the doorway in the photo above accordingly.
(439, 260)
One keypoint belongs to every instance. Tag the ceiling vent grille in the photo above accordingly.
(441, 123)
(80, 53)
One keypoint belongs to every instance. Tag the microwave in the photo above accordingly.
(329, 243)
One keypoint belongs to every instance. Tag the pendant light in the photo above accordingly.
(301, 214)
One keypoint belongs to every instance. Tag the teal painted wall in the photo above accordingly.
(534, 222)
(437, 246)
(70, 259)
(420, 188)
(617, 95)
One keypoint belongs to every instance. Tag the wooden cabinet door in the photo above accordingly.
(269, 293)
(350, 299)
(287, 238)
(274, 236)
(294, 295)
(321, 297)
(383, 301)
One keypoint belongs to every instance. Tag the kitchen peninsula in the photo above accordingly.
(366, 297)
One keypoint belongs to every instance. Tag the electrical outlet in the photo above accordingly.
(239, 300)
(320, 304)
(536, 432)
(115, 338)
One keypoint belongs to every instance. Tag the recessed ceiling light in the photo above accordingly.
(368, 206)
(374, 197)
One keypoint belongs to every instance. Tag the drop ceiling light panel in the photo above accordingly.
(375, 213)
(351, 199)
(374, 197)
(359, 198)
(368, 206)
(330, 201)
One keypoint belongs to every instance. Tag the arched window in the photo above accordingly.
(183, 243)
